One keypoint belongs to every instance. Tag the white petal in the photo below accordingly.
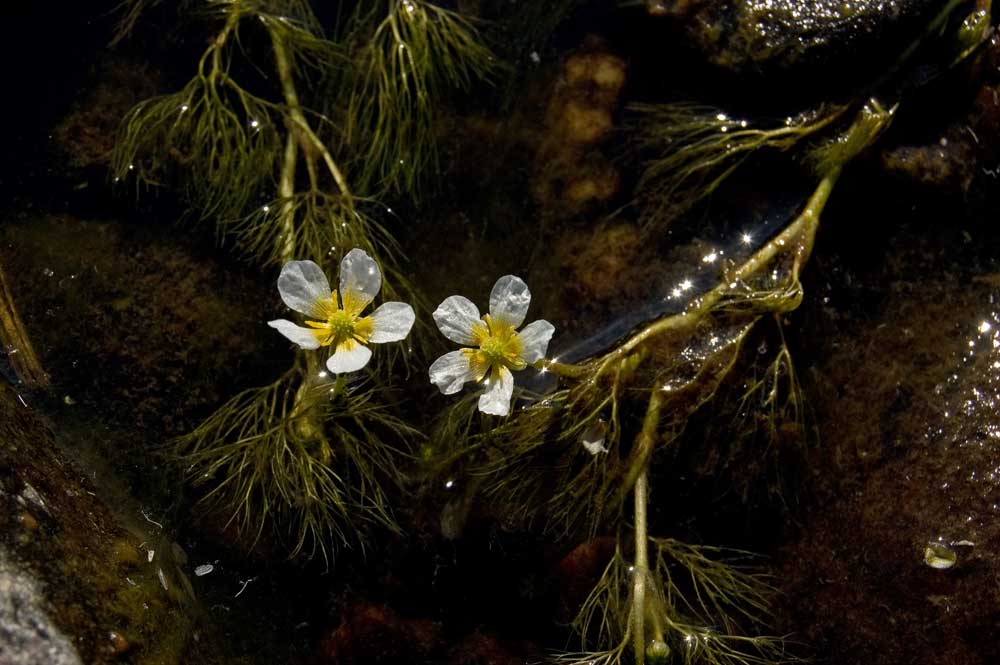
(392, 321)
(509, 300)
(450, 372)
(303, 286)
(360, 277)
(535, 340)
(455, 317)
(349, 360)
(496, 400)
(304, 337)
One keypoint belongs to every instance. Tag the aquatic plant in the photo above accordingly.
(687, 150)
(317, 458)
(691, 149)
(311, 461)
(237, 149)
(501, 347)
(543, 463)
(758, 424)
(231, 147)
(695, 602)
(415, 53)
(311, 455)
(262, 148)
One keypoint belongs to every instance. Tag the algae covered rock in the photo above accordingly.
(73, 586)
(777, 37)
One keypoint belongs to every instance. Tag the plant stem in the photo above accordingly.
(286, 190)
(297, 119)
(645, 442)
(14, 340)
(640, 569)
(338, 387)
(802, 231)
(800, 234)
(559, 369)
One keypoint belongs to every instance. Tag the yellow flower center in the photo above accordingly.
(499, 346)
(343, 327)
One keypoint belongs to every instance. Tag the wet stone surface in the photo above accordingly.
(27, 633)
(808, 41)
(134, 325)
(69, 573)
(898, 552)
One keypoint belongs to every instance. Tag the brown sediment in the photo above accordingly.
(15, 341)
(572, 173)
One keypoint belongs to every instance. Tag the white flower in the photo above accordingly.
(498, 347)
(338, 323)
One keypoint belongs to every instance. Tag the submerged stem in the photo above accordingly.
(559, 369)
(14, 341)
(644, 447)
(801, 233)
(644, 443)
(297, 119)
(640, 572)
(802, 230)
(338, 387)
(286, 190)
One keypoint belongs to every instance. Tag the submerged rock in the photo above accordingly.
(27, 632)
(573, 176)
(135, 321)
(776, 37)
(71, 586)
(960, 158)
(374, 634)
(899, 556)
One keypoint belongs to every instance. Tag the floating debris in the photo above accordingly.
(593, 437)
(163, 579)
(940, 555)
(245, 584)
(30, 495)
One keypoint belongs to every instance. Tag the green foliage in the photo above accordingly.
(414, 54)
(869, 123)
(680, 602)
(299, 458)
(223, 142)
(761, 425)
(276, 166)
(689, 150)
(534, 465)
(251, 155)
(316, 224)
(206, 133)
(696, 608)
